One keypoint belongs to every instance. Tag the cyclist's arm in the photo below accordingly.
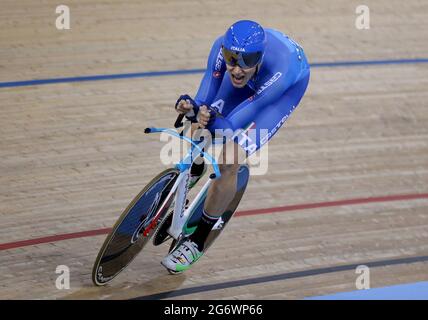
(213, 76)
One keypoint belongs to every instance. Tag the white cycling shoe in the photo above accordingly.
(182, 257)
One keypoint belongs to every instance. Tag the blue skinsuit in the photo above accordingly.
(265, 103)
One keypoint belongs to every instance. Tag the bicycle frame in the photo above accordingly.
(181, 185)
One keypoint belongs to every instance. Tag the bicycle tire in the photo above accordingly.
(120, 246)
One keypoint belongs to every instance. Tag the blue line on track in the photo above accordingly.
(191, 71)
(408, 291)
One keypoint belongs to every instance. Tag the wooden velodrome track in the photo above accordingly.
(73, 154)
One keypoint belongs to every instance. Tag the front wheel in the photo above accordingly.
(134, 227)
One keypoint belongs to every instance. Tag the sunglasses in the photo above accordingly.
(242, 59)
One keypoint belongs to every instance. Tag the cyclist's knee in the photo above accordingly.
(232, 154)
(229, 169)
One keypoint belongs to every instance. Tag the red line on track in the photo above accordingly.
(333, 204)
(54, 238)
(91, 233)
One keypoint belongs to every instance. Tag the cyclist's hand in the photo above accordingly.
(203, 116)
(184, 106)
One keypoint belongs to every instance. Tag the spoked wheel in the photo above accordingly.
(134, 227)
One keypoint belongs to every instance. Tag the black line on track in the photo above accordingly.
(279, 277)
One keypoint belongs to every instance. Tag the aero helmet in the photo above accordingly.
(244, 44)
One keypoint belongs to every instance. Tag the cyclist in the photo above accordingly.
(255, 77)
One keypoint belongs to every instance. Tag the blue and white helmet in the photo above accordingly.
(244, 44)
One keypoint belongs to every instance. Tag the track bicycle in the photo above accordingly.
(162, 211)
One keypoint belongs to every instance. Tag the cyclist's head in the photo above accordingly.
(243, 49)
